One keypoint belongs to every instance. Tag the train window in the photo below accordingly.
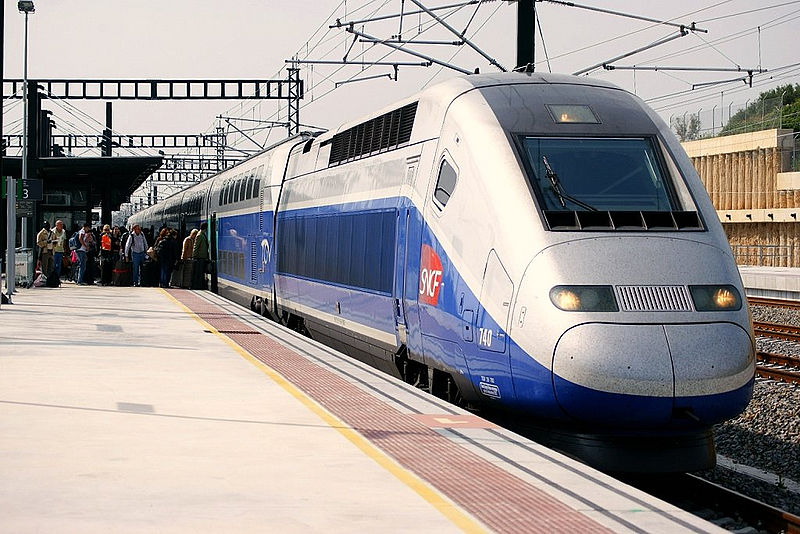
(446, 183)
(249, 188)
(598, 174)
(256, 187)
(572, 113)
(355, 250)
(237, 191)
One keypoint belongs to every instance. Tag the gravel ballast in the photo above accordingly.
(767, 435)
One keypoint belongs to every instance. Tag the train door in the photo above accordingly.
(212, 234)
(491, 366)
(412, 226)
(400, 280)
(265, 239)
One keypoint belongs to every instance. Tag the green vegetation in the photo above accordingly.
(687, 129)
(776, 108)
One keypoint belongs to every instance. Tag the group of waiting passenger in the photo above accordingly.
(80, 252)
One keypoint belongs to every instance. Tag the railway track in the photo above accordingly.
(788, 367)
(775, 303)
(778, 331)
(699, 496)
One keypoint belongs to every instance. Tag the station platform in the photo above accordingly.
(142, 409)
(772, 282)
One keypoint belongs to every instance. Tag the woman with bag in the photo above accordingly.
(106, 256)
(166, 252)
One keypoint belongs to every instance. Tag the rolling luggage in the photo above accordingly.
(188, 272)
(182, 274)
(122, 274)
(53, 279)
(177, 274)
(150, 274)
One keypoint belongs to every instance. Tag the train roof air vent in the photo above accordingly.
(383, 133)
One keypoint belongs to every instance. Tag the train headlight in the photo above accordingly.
(716, 298)
(584, 298)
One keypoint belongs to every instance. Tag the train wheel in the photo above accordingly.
(264, 309)
(254, 306)
(288, 320)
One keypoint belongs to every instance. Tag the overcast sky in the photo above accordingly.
(251, 39)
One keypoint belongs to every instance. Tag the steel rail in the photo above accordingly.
(777, 331)
(778, 359)
(693, 492)
(777, 303)
(781, 375)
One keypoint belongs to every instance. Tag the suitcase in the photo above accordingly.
(150, 274)
(188, 272)
(177, 274)
(122, 274)
(53, 280)
(182, 274)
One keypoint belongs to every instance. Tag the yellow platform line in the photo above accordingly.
(423, 489)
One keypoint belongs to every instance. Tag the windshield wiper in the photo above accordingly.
(559, 191)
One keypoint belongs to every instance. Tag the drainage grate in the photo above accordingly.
(653, 298)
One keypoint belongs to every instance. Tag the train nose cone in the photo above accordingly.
(615, 374)
(714, 365)
(640, 375)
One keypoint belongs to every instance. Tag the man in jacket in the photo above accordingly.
(44, 240)
(86, 241)
(200, 249)
(200, 258)
(135, 250)
(59, 238)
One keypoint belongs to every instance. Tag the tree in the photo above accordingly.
(687, 129)
(776, 108)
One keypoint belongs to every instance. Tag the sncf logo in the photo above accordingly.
(430, 276)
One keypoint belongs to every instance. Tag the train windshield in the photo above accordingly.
(594, 174)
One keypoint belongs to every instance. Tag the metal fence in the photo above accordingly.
(731, 118)
(794, 155)
(763, 255)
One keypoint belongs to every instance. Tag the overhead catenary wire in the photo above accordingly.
(257, 104)
(731, 37)
(451, 58)
(703, 93)
(634, 32)
(322, 38)
(731, 15)
(704, 98)
(426, 26)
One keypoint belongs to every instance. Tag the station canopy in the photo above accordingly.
(118, 176)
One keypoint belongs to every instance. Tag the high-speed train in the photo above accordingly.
(539, 244)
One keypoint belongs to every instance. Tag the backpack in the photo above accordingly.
(74, 242)
(53, 280)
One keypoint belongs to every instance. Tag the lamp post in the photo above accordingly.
(26, 7)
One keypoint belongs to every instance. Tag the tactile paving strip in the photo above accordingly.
(500, 500)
